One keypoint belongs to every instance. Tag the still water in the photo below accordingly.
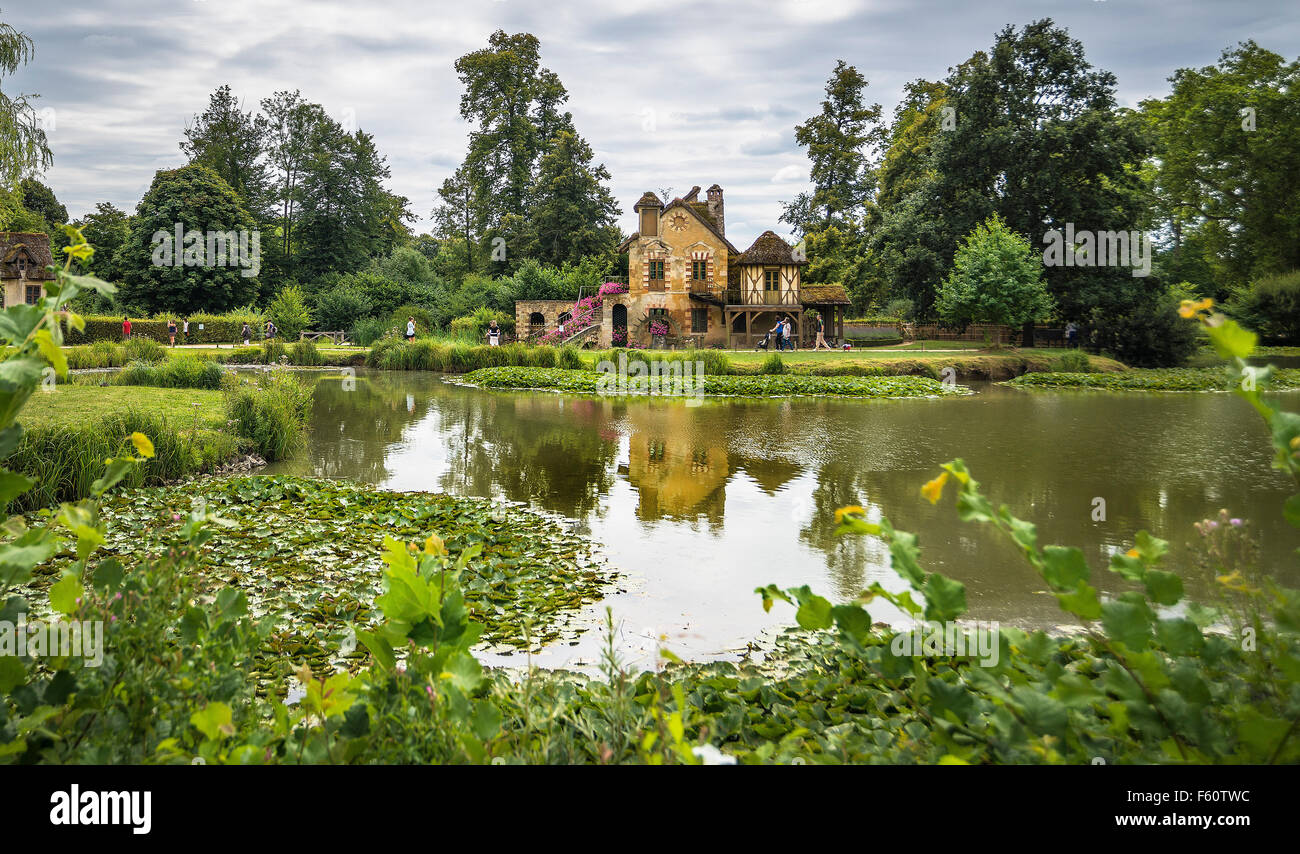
(698, 505)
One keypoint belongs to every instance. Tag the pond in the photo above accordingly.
(698, 505)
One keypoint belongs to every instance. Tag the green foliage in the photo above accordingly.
(1150, 379)
(288, 311)
(1222, 178)
(1146, 333)
(996, 278)
(1271, 306)
(271, 410)
(196, 199)
(341, 307)
(773, 365)
(183, 372)
(305, 354)
(424, 322)
(785, 385)
(65, 460)
(368, 330)
(1072, 362)
(431, 354)
(473, 327)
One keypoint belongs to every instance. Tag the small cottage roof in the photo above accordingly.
(824, 295)
(769, 248)
(647, 200)
(34, 246)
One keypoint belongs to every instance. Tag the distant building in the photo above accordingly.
(24, 257)
(686, 279)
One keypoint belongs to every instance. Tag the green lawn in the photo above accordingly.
(81, 404)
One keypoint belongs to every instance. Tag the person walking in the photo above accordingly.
(246, 333)
(126, 328)
(270, 331)
(1071, 332)
(821, 334)
(493, 335)
(774, 334)
(185, 330)
(171, 330)
(785, 333)
(410, 329)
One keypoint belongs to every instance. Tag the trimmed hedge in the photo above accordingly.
(217, 328)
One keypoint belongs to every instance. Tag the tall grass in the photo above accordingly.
(715, 362)
(305, 354)
(270, 411)
(65, 460)
(183, 372)
(450, 356)
(111, 354)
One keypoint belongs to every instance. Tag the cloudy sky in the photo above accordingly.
(669, 93)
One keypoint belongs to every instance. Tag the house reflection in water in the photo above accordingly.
(680, 464)
(676, 470)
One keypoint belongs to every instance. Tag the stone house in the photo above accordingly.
(689, 282)
(24, 257)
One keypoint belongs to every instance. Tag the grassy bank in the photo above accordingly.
(965, 365)
(69, 432)
(781, 385)
(1150, 379)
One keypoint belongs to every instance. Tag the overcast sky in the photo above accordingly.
(669, 93)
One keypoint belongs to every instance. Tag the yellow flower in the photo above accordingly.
(933, 490)
(143, 446)
(851, 510)
(1132, 553)
(434, 546)
(1191, 308)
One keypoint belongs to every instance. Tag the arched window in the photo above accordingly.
(564, 318)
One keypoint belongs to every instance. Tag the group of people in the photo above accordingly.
(246, 333)
(783, 332)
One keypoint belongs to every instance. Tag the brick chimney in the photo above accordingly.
(715, 208)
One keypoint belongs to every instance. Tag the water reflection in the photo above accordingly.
(703, 503)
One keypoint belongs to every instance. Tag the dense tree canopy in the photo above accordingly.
(193, 199)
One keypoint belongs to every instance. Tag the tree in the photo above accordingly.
(231, 142)
(513, 104)
(193, 199)
(107, 229)
(573, 213)
(839, 140)
(456, 217)
(346, 215)
(24, 148)
(290, 123)
(40, 199)
(996, 277)
(1037, 139)
(288, 311)
(1226, 168)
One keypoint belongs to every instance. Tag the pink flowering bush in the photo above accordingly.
(611, 288)
(658, 327)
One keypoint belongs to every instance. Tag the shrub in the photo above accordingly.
(1270, 306)
(368, 330)
(1074, 362)
(143, 350)
(305, 353)
(773, 365)
(567, 357)
(288, 311)
(1148, 335)
(473, 327)
(424, 322)
(270, 410)
(901, 308)
(341, 307)
(183, 372)
(272, 351)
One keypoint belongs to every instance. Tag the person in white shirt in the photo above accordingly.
(410, 328)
